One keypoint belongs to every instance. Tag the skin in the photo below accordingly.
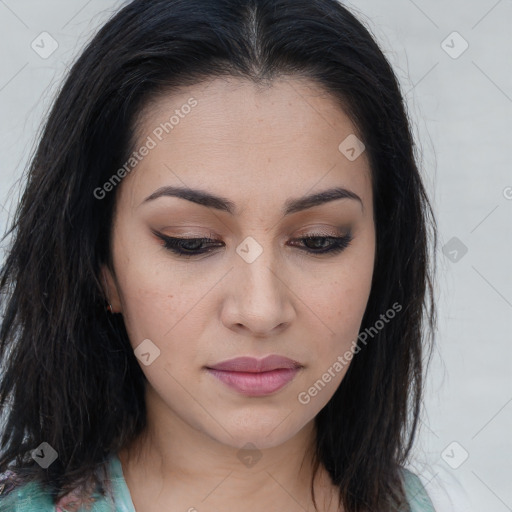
(258, 147)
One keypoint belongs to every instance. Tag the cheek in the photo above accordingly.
(338, 301)
(156, 297)
(166, 313)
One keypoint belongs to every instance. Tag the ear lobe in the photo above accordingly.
(110, 289)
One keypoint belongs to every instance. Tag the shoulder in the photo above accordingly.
(417, 496)
(27, 497)
(16, 496)
(34, 497)
(446, 491)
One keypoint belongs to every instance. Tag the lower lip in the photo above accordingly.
(256, 384)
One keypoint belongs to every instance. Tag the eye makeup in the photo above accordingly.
(315, 243)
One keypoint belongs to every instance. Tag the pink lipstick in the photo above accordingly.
(256, 377)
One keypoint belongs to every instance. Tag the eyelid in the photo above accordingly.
(305, 232)
(338, 245)
(322, 231)
(208, 234)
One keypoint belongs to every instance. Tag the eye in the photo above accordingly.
(188, 246)
(314, 244)
(321, 244)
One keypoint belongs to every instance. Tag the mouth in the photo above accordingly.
(256, 377)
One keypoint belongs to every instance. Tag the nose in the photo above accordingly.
(259, 301)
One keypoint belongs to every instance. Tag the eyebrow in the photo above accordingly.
(223, 204)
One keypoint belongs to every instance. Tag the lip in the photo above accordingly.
(253, 365)
(256, 377)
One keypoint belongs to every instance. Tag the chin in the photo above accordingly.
(260, 429)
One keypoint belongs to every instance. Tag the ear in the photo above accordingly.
(111, 289)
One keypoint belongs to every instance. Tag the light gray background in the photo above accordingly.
(461, 109)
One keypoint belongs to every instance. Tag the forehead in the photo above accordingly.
(229, 134)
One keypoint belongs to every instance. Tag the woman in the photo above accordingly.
(220, 266)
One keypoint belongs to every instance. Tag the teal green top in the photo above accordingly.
(31, 498)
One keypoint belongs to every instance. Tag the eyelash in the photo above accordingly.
(174, 244)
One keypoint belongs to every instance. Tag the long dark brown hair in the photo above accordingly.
(69, 375)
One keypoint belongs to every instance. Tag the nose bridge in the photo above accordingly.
(260, 295)
(257, 270)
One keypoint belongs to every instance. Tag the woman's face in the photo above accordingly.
(255, 156)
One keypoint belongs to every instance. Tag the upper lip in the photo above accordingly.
(254, 365)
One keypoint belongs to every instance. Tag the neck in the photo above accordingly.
(185, 466)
